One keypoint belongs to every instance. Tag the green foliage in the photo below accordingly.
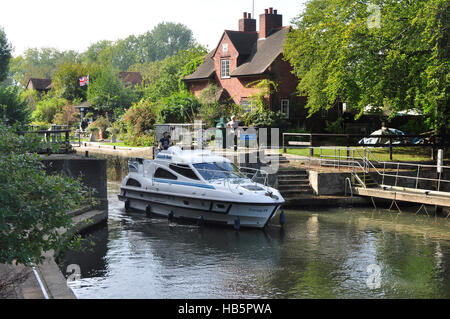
(140, 118)
(66, 81)
(106, 92)
(180, 107)
(400, 64)
(171, 72)
(261, 117)
(5, 55)
(102, 123)
(47, 108)
(165, 40)
(39, 63)
(67, 115)
(264, 88)
(34, 205)
(335, 127)
(13, 110)
(210, 110)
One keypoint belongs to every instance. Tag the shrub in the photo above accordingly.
(180, 107)
(34, 205)
(47, 108)
(140, 118)
(68, 115)
(101, 123)
(13, 110)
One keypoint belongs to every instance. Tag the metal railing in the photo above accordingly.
(314, 140)
(365, 161)
(58, 141)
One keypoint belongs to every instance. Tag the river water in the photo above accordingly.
(332, 253)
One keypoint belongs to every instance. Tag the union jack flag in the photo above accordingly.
(84, 80)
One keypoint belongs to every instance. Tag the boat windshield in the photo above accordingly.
(218, 170)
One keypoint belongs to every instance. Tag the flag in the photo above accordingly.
(84, 80)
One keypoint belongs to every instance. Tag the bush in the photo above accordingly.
(140, 118)
(102, 123)
(47, 109)
(34, 205)
(66, 116)
(141, 140)
(13, 110)
(180, 107)
(260, 117)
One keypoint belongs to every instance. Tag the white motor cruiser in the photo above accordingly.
(200, 186)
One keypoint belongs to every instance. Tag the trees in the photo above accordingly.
(400, 63)
(165, 40)
(171, 72)
(106, 92)
(13, 110)
(180, 107)
(40, 63)
(66, 81)
(34, 204)
(47, 108)
(5, 55)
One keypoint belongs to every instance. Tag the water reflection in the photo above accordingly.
(316, 255)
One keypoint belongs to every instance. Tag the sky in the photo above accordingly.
(74, 25)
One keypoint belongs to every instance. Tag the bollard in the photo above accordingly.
(86, 154)
(237, 223)
(282, 218)
(148, 211)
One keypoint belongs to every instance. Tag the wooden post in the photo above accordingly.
(348, 145)
(311, 149)
(390, 148)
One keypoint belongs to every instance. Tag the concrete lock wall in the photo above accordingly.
(328, 183)
(91, 170)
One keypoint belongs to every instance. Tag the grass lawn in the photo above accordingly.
(382, 154)
(120, 144)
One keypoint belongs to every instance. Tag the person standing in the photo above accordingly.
(164, 142)
(233, 124)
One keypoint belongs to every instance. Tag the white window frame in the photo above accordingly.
(285, 103)
(225, 69)
(225, 48)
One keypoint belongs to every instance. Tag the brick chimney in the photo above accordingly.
(268, 21)
(247, 24)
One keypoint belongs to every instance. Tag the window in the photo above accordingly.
(225, 48)
(285, 108)
(218, 170)
(324, 113)
(225, 68)
(133, 182)
(184, 170)
(165, 174)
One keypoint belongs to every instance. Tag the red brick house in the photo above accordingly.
(249, 55)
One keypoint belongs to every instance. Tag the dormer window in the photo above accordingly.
(225, 69)
(225, 48)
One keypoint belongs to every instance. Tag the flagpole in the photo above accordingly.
(253, 10)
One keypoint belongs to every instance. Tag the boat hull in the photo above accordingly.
(251, 215)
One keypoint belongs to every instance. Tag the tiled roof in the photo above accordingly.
(40, 84)
(257, 55)
(205, 70)
(266, 52)
(131, 77)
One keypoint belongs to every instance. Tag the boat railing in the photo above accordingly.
(245, 175)
(233, 181)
